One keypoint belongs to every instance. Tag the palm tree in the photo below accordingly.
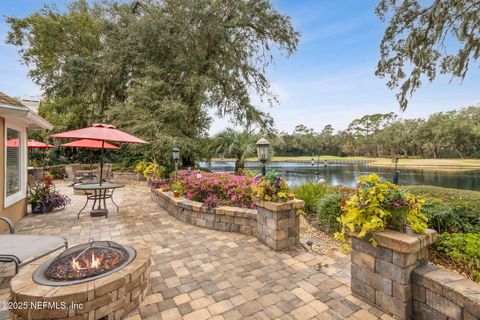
(238, 144)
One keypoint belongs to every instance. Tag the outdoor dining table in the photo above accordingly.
(99, 193)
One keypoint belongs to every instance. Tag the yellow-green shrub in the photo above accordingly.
(150, 170)
(378, 204)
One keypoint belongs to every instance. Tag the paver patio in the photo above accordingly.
(200, 273)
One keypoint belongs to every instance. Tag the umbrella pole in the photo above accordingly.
(101, 162)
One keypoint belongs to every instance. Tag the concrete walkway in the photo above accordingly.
(202, 274)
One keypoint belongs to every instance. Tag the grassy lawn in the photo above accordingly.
(430, 163)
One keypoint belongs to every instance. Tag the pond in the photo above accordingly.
(347, 174)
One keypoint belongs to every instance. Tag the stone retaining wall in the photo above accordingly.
(127, 176)
(397, 278)
(220, 218)
(442, 294)
(278, 225)
(381, 275)
(274, 224)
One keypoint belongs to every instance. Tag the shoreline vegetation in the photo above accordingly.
(425, 164)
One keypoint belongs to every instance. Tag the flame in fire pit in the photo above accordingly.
(94, 263)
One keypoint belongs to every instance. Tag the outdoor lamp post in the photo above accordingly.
(176, 157)
(395, 172)
(262, 152)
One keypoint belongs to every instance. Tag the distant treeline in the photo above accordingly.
(449, 134)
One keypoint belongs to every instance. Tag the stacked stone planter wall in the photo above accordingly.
(278, 225)
(396, 277)
(274, 224)
(442, 294)
(127, 176)
(220, 218)
(382, 275)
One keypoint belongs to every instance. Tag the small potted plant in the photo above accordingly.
(178, 188)
(272, 188)
(378, 205)
(43, 198)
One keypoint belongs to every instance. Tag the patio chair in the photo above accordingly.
(23, 249)
(107, 172)
(72, 173)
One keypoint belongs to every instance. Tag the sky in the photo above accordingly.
(329, 80)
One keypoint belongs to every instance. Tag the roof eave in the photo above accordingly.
(33, 120)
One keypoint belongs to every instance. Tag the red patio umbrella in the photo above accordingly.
(100, 132)
(33, 144)
(87, 143)
(13, 143)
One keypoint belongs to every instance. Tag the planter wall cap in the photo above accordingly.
(280, 206)
(404, 242)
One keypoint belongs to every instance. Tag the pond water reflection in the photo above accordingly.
(347, 174)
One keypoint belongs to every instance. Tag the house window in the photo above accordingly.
(14, 166)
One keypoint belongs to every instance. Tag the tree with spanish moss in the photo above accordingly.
(157, 68)
(424, 39)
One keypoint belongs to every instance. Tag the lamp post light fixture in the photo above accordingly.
(395, 172)
(262, 152)
(176, 157)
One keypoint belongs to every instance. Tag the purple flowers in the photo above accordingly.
(398, 203)
(56, 200)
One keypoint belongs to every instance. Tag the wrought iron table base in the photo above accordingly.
(100, 196)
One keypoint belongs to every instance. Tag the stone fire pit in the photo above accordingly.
(109, 297)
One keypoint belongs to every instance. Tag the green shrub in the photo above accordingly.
(445, 217)
(450, 210)
(464, 250)
(311, 192)
(458, 197)
(328, 210)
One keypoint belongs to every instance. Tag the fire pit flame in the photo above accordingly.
(94, 263)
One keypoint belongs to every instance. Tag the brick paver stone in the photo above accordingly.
(199, 273)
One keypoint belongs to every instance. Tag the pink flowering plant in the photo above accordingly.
(217, 189)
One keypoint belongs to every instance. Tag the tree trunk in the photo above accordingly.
(459, 153)
(239, 165)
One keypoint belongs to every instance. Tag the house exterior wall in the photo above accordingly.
(17, 210)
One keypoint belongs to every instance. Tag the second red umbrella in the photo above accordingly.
(87, 143)
(102, 133)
